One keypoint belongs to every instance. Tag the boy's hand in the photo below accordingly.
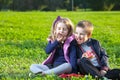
(88, 55)
(85, 55)
(103, 72)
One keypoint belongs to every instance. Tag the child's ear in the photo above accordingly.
(89, 35)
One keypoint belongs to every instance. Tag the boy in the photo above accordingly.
(92, 58)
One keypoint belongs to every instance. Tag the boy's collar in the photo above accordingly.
(86, 42)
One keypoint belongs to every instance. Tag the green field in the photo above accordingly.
(23, 38)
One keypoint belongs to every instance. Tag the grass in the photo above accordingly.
(23, 38)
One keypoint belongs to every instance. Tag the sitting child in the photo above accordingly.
(62, 50)
(92, 58)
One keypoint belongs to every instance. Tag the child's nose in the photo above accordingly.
(80, 36)
(61, 30)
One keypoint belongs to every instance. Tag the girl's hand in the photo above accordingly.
(50, 38)
(60, 38)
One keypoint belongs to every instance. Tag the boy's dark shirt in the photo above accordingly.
(100, 52)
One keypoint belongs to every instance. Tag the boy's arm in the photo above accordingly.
(103, 58)
(51, 46)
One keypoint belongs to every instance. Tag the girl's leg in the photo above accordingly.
(86, 67)
(37, 68)
(63, 68)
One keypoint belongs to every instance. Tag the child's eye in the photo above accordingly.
(82, 34)
(76, 33)
(59, 28)
(64, 29)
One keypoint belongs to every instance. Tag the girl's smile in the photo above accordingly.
(61, 31)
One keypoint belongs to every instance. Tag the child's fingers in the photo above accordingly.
(103, 72)
(59, 38)
(84, 55)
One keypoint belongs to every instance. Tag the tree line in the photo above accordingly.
(53, 5)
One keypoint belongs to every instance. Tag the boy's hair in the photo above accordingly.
(67, 22)
(87, 25)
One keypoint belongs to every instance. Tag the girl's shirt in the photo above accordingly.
(59, 54)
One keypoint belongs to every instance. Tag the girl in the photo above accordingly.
(61, 47)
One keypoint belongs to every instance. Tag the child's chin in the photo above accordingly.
(79, 42)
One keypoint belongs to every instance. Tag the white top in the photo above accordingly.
(93, 60)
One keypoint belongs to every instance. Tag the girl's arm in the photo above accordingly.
(51, 46)
(73, 57)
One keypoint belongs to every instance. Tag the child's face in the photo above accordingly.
(61, 30)
(80, 35)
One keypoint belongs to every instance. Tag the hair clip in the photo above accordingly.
(57, 19)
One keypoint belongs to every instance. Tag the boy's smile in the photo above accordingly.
(81, 35)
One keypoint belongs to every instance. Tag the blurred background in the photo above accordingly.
(60, 5)
(25, 25)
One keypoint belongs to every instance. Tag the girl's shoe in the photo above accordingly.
(32, 75)
(39, 74)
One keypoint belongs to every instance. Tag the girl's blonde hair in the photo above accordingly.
(66, 21)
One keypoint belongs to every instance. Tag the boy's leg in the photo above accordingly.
(36, 68)
(113, 74)
(86, 67)
(81, 68)
(63, 68)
